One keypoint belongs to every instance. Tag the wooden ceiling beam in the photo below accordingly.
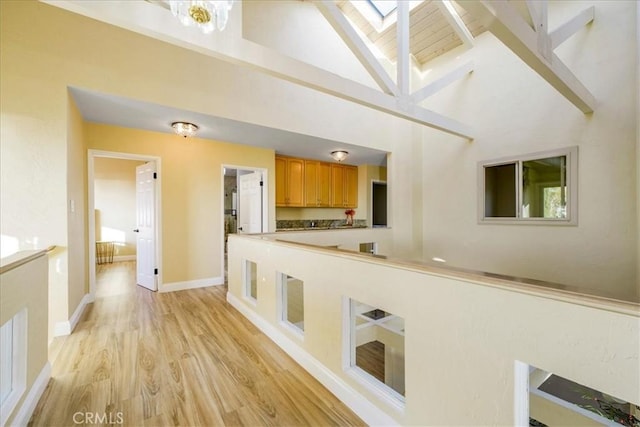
(158, 23)
(533, 47)
(444, 81)
(572, 26)
(345, 30)
(403, 61)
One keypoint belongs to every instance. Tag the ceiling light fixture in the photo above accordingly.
(339, 155)
(184, 128)
(206, 15)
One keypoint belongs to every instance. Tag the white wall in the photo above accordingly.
(514, 111)
(298, 29)
(463, 332)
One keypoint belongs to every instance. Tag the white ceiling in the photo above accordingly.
(114, 110)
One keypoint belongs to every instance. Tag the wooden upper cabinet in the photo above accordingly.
(351, 186)
(344, 186)
(296, 182)
(317, 183)
(289, 182)
(281, 181)
(312, 183)
(337, 186)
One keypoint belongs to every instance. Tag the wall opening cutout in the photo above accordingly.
(250, 274)
(292, 302)
(369, 248)
(377, 348)
(554, 400)
(13, 363)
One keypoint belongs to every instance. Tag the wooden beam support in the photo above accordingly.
(569, 28)
(534, 12)
(450, 13)
(160, 24)
(444, 81)
(544, 45)
(345, 30)
(403, 61)
(508, 26)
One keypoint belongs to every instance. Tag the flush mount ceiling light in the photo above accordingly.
(206, 15)
(339, 155)
(184, 128)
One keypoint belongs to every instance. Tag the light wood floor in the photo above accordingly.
(180, 358)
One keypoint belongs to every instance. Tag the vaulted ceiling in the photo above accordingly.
(431, 34)
(415, 33)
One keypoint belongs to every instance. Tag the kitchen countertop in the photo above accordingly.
(340, 227)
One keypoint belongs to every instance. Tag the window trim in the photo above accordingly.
(246, 281)
(281, 304)
(571, 154)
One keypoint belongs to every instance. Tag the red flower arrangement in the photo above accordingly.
(349, 213)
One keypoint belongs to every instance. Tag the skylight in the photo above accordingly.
(384, 7)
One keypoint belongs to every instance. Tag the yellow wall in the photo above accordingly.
(77, 209)
(432, 180)
(191, 193)
(42, 157)
(115, 203)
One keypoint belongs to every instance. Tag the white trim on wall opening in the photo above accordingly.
(92, 155)
(265, 202)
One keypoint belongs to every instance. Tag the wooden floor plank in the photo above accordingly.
(180, 358)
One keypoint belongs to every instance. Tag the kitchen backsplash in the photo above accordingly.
(283, 224)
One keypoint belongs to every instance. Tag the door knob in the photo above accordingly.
(136, 230)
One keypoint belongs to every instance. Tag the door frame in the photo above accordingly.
(265, 201)
(91, 205)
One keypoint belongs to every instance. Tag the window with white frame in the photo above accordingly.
(535, 188)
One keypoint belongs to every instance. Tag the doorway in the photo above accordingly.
(124, 197)
(245, 203)
(378, 204)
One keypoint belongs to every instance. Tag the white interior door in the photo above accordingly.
(145, 226)
(250, 208)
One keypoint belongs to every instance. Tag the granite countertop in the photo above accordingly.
(317, 224)
(339, 227)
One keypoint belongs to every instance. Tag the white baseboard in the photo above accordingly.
(35, 392)
(367, 411)
(120, 258)
(191, 284)
(67, 326)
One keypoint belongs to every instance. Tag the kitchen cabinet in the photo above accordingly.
(344, 186)
(289, 182)
(317, 183)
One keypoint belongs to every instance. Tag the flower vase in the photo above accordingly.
(349, 220)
